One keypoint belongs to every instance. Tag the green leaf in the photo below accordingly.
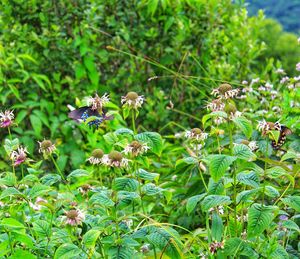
(11, 223)
(90, 238)
(36, 124)
(215, 187)
(212, 201)
(38, 190)
(248, 178)
(67, 251)
(279, 253)
(10, 191)
(101, 199)
(186, 161)
(78, 173)
(192, 202)
(245, 196)
(293, 202)
(42, 228)
(50, 179)
(271, 191)
(243, 152)
(153, 140)
(125, 184)
(206, 117)
(244, 125)
(290, 225)
(21, 253)
(259, 219)
(275, 172)
(218, 164)
(121, 252)
(144, 175)
(151, 189)
(216, 227)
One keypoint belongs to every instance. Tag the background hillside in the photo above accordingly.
(286, 12)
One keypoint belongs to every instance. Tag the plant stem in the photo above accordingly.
(133, 121)
(9, 133)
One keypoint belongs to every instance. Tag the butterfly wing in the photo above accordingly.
(82, 113)
(282, 137)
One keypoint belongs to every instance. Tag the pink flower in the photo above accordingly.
(6, 118)
(73, 217)
(18, 157)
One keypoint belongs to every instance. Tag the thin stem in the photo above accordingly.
(264, 176)
(133, 121)
(202, 179)
(9, 133)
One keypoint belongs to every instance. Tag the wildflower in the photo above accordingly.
(219, 120)
(145, 248)
(84, 189)
(46, 147)
(18, 157)
(264, 126)
(247, 90)
(96, 157)
(261, 88)
(136, 148)
(115, 159)
(268, 86)
(132, 100)
(297, 78)
(283, 217)
(196, 134)
(254, 81)
(244, 82)
(213, 247)
(37, 205)
(127, 222)
(298, 66)
(273, 94)
(174, 177)
(73, 217)
(216, 105)
(6, 118)
(225, 91)
(284, 79)
(97, 103)
(219, 209)
(279, 71)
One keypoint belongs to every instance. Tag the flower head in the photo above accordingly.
(132, 100)
(136, 148)
(284, 79)
(96, 157)
(46, 147)
(18, 157)
(6, 118)
(225, 91)
(97, 103)
(216, 105)
(279, 71)
(85, 188)
(115, 159)
(298, 66)
(196, 134)
(213, 247)
(145, 248)
(264, 126)
(73, 217)
(38, 204)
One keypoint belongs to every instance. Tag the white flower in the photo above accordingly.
(244, 82)
(196, 134)
(297, 78)
(115, 159)
(268, 86)
(6, 118)
(132, 100)
(254, 81)
(225, 91)
(253, 145)
(284, 79)
(216, 105)
(97, 103)
(136, 148)
(263, 126)
(279, 71)
(96, 157)
(234, 115)
(219, 120)
(298, 66)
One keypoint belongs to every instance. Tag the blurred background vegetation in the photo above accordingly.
(54, 51)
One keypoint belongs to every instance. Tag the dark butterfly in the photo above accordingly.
(284, 131)
(84, 113)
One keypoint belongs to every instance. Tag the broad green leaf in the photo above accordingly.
(42, 228)
(212, 201)
(78, 173)
(271, 191)
(216, 187)
(244, 125)
(245, 196)
(192, 202)
(248, 178)
(125, 184)
(66, 251)
(279, 253)
(216, 227)
(11, 223)
(101, 199)
(21, 253)
(218, 164)
(121, 252)
(153, 140)
(151, 189)
(290, 225)
(259, 219)
(50, 179)
(144, 175)
(90, 238)
(36, 124)
(243, 152)
(10, 191)
(293, 202)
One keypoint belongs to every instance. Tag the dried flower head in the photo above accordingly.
(46, 147)
(96, 157)
(97, 103)
(6, 118)
(73, 217)
(18, 157)
(225, 91)
(115, 159)
(136, 148)
(132, 100)
(264, 126)
(216, 105)
(85, 188)
(213, 247)
(196, 134)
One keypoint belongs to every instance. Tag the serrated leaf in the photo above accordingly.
(102, 199)
(21, 253)
(78, 173)
(123, 131)
(244, 125)
(144, 175)
(67, 251)
(218, 164)
(153, 140)
(10, 191)
(125, 184)
(151, 189)
(11, 223)
(271, 191)
(216, 227)
(290, 225)
(248, 178)
(192, 202)
(50, 179)
(293, 201)
(259, 219)
(42, 228)
(243, 152)
(245, 196)
(212, 201)
(89, 239)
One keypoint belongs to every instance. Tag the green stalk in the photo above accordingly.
(133, 121)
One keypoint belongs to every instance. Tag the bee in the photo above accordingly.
(87, 114)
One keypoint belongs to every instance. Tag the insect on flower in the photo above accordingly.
(93, 114)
